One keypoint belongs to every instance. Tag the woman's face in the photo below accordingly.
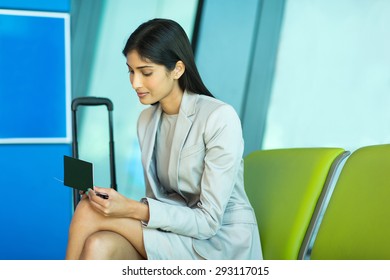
(153, 82)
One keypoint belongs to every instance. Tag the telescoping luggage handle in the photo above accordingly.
(93, 101)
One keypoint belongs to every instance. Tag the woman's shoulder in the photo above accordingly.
(210, 105)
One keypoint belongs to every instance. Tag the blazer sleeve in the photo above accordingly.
(223, 158)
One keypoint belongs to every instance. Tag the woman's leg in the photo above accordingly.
(108, 245)
(86, 222)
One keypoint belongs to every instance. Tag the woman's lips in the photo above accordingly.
(141, 94)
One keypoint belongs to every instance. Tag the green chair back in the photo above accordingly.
(356, 223)
(284, 186)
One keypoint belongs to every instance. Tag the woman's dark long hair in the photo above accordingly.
(164, 42)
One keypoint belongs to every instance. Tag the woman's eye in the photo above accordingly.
(147, 74)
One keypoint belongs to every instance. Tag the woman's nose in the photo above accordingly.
(135, 81)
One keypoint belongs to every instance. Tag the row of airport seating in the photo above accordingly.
(321, 203)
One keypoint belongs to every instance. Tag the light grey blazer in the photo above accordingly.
(211, 205)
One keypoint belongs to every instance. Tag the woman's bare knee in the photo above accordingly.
(95, 247)
(106, 245)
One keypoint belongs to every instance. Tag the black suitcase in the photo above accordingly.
(93, 101)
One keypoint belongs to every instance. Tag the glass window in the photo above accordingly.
(332, 80)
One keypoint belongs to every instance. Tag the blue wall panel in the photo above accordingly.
(33, 96)
(36, 208)
(40, 5)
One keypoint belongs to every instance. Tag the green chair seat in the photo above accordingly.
(356, 223)
(284, 187)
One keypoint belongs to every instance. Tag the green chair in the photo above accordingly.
(286, 188)
(356, 223)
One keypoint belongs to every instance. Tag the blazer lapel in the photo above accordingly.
(150, 137)
(148, 143)
(183, 126)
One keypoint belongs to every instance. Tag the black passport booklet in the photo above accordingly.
(78, 174)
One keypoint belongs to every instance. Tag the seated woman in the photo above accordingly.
(191, 146)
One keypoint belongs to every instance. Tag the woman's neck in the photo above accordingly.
(171, 106)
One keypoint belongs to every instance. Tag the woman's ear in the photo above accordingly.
(179, 69)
